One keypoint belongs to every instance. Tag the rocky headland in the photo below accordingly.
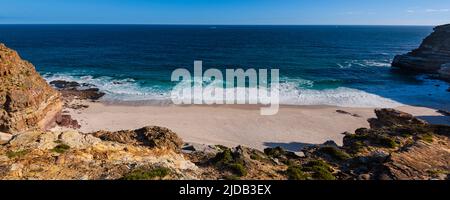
(433, 55)
(26, 100)
(397, 146)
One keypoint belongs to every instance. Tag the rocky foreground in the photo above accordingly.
(433, 55)
(396, 147)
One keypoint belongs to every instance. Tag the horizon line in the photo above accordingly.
(169, 24)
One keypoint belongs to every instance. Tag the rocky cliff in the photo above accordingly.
(433, 55)
(26, 100)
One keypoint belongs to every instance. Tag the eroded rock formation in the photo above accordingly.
(26, 100)
(433, 55)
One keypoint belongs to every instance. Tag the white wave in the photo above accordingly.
(364, 63)
(292, 92)
(116, 89)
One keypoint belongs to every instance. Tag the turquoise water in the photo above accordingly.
(319, 65)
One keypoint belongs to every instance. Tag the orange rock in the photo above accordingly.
(26, 100)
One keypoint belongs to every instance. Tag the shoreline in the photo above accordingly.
(293, 128)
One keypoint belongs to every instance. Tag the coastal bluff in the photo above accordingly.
(26, 100)
(433, 55)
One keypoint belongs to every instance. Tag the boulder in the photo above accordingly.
(392, 117)
(4, 138)
(430, 56)
(67, 121)
(26, 100)
(61, 84)
(151, 136)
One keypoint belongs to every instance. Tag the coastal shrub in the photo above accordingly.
(375, 139)
(223, 157)
(296, 173)
(335, 153)
(15, 154)
(426, 137)
(358, 146)
(320, 170)
(141, 174)
(61, 148)
(275, 152)
(227, 160)
(238, 169)
(386, 142)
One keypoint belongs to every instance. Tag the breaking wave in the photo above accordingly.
(292, 92)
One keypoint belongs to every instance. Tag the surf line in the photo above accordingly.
(235, 90)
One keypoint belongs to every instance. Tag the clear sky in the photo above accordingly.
(369, 12)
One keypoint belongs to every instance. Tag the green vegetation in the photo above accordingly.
(427, 137)
(61, 148)
(141, 174)
(385, 141)
(296, 173)
(320, 170)
(335, 153)
(16, 154)
(238, 169)
(228, 161)
(375, 139)
(275, 152)
(223, 157)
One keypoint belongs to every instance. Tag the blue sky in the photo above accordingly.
(370, 12)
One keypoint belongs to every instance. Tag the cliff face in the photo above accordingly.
(26, 100)
(432, 56)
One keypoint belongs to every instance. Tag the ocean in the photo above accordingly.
(319, 65)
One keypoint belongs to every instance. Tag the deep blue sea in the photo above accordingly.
(319, 65)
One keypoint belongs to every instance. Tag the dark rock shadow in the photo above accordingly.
(293, 146)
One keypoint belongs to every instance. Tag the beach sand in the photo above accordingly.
(292, 128)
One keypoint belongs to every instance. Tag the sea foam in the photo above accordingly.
(292, 92)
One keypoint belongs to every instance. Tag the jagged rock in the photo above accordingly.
(401, 147)
(431, 55)
(421, 161)
(392, 117)
(26, 100)
(76, 156)
(72, 89)
(203, 148)
(154, 137)
(67, 121)
(83, 94)
(61, 84)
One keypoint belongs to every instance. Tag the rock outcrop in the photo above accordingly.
(148, 136)
(433, 55)
(26, 100)
(73, 90)
(75, 156)
(396, 147)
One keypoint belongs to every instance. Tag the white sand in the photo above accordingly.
(291, 128)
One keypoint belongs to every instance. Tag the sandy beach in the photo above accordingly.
(292, 128)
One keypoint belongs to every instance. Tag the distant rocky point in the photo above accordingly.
(433, 55)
